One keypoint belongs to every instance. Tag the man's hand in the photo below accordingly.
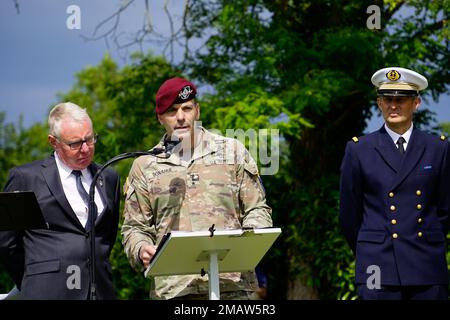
(146, 253)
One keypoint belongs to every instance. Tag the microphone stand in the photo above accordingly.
(92, 208)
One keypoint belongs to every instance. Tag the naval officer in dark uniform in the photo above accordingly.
(395, 198)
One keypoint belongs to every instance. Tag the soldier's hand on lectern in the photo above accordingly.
(146, 253)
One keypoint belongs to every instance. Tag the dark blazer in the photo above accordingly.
(41, 262)
(394, 209)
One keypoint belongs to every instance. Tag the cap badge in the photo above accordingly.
(185, 92)
(393, 75)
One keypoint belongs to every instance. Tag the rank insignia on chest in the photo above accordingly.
(194, 179)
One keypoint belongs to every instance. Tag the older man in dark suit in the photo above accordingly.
(54, 263)
(395, 198)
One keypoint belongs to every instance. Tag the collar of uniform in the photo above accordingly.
(394, 135)
(65, 171)
(208, 144)
(173, 159)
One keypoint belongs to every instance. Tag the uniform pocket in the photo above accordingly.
(434, 236)
(426, 170)
(43, 267)
(371, 236)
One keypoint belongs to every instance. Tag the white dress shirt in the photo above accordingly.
(394, 135)
(70, 190)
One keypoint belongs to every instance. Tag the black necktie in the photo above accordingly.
(84, 195)
(400, 143)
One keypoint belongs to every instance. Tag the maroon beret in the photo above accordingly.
(172, 91)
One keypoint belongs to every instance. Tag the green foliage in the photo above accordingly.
(445, 128)
(19, 145)
(318, 217)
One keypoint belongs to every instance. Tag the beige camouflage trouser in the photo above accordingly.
(233, 295)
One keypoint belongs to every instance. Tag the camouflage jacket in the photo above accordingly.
(220, 185)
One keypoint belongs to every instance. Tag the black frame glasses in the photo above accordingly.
(76, 145)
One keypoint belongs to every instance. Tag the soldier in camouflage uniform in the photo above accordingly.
(207, 179)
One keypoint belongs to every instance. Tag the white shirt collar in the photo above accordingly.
(394, 135)
(65, 171)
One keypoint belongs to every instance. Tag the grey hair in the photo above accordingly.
(62, 111)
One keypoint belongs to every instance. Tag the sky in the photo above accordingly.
(39, 55)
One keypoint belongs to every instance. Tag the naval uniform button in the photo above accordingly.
(418, 192)
(419, 206)
(420, 220)
(393, 221)
(395, 235)
(391, 194)
(392, 208)
(419, 234)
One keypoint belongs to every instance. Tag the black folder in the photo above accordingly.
(20, 210)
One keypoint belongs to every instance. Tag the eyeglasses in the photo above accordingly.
(90, 141)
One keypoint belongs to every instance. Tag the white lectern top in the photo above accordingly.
(237, 250)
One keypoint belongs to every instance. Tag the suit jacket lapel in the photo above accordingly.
(387, 150)
(414, 151)
(51, 176)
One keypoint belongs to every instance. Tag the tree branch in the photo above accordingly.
(429, 29)
(147, 33)
(113, 29)
(171, 37)
(390, 14)
(16, 5)
(187, 7)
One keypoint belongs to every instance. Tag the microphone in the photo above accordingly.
(169, 146)
(92, 208)
(168, 149)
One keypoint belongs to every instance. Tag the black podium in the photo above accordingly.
(19, 210)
